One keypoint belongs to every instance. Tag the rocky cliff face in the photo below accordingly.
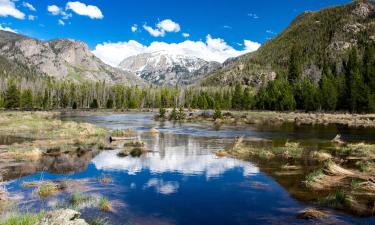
(61, 59)
(164, 68)
(330, 33)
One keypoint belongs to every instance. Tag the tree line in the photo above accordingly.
(352, 89)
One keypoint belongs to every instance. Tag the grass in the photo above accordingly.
(46, 131)
(99, 221)
(47, 190)
(23, 219)
(355, 184)
(339, 199)
(77, 199)
(105, 204)
(313, 176)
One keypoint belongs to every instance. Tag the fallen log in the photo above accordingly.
(111, 138)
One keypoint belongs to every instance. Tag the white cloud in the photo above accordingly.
(253, 15)
(251, 46)
(185, 35)
(213, 49)
(61, 22)
(154, 32)
(54, 10)
(8, 29)
(227, 27)
(31, 17)
(169, 26)
(8, 8)
(162, 28)
(85, 10)
(134, 28)
(29, 6)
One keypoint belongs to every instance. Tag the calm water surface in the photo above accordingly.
(183, 182)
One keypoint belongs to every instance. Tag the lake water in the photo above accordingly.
(182, 181)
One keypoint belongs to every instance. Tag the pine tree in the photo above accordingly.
(237, 97)
(12, 97)
(217, 114)
(94, 104)
(328, 90)
(27, 101)
(294, 69)
(109, 104)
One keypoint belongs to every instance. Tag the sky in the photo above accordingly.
(214, 30)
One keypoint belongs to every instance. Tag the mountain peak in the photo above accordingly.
(167, 67)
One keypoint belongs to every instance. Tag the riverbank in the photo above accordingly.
(30, 136)
(339, 175)
(274, 118)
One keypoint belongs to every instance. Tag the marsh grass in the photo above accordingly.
(339, 199)
(47, 190)
(23, 219)
(313, 176)
(78, 199)
(105, 204)
(98, 221)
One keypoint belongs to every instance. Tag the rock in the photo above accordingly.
(363, 10)
(62, 217)
(311, 213)
(337, 140)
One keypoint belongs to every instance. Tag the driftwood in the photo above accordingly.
(111, 139)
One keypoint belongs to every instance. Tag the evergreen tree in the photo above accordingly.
(12, 97)
(94, 104)
(237, 97)
(109, 104)
(328, 90)
(248, 100)
(162, 113)
(217, 114)
(27, 101)
(74, 106)
(294, 70)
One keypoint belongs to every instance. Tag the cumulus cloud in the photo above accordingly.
(8, 8)
(169, 26)
(54, 10)
(185, 35)
(162, 28)
(134, 28)
(8, 29)
(213, 49)
(29, 6)
(85, 10)
(31, 17)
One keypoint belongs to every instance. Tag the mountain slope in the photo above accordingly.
(328, 33)
(61, 59)
(164, 68)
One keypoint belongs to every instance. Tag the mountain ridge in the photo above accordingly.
(61, 59)
(168, 68)
(329, 32)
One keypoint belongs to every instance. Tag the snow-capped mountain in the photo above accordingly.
(165, 68)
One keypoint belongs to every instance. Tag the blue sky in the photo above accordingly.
(109, 21)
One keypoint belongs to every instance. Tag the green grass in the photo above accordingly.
(105, 204)
(47, 190)
(355, 184)
(76, 199)
(339, 199)
(23, 219)
(311, 177)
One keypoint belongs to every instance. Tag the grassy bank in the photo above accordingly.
(44, 134)
(340, 176)
(273, 117)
